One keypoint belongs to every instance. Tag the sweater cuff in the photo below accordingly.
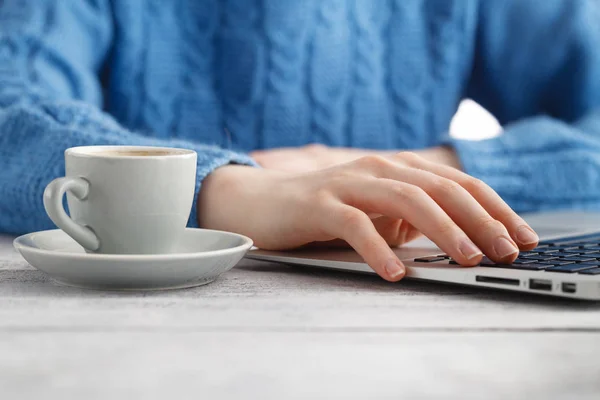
(536, 163)
(492, 161)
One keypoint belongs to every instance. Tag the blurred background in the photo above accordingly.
(474, 122)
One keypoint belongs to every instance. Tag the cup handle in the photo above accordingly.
(53, 203)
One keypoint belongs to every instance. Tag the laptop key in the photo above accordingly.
(575, 243)
(487, 262)
(594, 247)
(525, 261)
(577, 259)
(594, 254)
(562, 247)
(580, 251)
(551, 251)
(528, 253)
(429, 259)
(555, 262)
(539, 257)
(593, 271)
(548, 249)
(571, 268)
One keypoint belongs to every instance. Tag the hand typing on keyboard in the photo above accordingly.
(370, 204)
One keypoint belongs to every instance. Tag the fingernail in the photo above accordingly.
(394, 269)
(469, 250)
(504, 248)
(525, 235)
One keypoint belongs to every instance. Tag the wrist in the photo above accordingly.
(445, 155)
(227, 193)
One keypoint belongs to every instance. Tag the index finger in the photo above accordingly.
(518, 229)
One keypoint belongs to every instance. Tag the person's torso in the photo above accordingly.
(361, 73)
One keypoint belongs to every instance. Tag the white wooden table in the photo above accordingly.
(265, 331)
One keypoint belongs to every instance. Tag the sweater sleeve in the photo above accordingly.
(537, 69)
(51, 54)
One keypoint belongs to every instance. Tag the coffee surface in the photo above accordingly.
(137, 153)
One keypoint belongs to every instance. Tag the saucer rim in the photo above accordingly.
(244, 247)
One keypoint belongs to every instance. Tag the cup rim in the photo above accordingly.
(96, 152)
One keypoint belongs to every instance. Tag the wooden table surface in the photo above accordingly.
(266, 331)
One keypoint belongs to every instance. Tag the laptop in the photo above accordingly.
(566, 263)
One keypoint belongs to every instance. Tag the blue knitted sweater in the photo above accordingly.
(383, 74)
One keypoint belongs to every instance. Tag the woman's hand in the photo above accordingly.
(316, 156)
(369, 203)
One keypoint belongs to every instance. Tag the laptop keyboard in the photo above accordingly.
(573, 257)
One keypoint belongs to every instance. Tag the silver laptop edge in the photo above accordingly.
(550, 226)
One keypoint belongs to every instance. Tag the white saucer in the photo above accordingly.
(202, 256)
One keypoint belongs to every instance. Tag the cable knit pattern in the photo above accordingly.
(408, 74)
(242, 55)
(224, 77)
(285, 108)
(444, 28)
(161, 67)
(330, 77)
(126, 94)
(370, 123)
(199, 110)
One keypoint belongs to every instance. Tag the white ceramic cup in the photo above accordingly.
(124, 199)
